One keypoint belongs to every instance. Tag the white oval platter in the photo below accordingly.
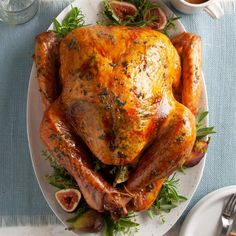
(188, 183)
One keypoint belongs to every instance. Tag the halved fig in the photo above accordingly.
(160, 19)
(123, 10)
(91, 221)
(68, 199)
(198, 152)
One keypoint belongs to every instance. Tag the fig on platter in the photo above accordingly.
(91, 221)
(159, 16)
(68, 199)
(123, 10)
(198, 152)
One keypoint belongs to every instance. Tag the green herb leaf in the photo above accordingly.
(170, 25)
(122, 173)
(167, 199)
(59, 177)
(98, 165)
(56, 25)
(150, 213)
(73, 20)
(113, 170)
(201, 116)
(125, 225)
(182, 169)
(202, 130)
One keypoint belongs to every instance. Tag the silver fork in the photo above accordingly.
(228, 214)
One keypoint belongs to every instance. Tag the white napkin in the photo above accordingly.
(229, 6)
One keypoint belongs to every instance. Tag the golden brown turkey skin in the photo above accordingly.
(189, 47)
(169, 151)
(117, 96)
(117, 87)
(145, 197)
(47, 62)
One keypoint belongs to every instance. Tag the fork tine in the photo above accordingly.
(226, 209)
(232, 206)
(229, 208)
(228, 215)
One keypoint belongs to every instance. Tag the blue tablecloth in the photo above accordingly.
(21, 201)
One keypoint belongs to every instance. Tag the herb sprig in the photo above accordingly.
(118, 173)
(60, 177)
(170, 25)
(125, 225)
(74, 19)
(121, 174)
(202, 130)
(98, 165)
(137, 20)
(167, 199)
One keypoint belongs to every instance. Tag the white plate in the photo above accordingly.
(188, 182)
(204, 218)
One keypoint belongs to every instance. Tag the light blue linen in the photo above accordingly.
(21, 201)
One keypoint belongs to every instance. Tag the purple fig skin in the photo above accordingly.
(160, 22)
(122, 10)
(198, 152)
(91, 221)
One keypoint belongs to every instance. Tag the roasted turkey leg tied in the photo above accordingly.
(189, 91)
(145, 197)
(169, 151)
(55, 132)
(74, 157)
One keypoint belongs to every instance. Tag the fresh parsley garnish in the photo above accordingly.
(125, 225)
(202, 130)
(74, 19)
(167, 199)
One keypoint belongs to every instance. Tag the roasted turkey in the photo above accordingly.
(126, 96)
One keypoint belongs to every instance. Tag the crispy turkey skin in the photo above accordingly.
(122, 90)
